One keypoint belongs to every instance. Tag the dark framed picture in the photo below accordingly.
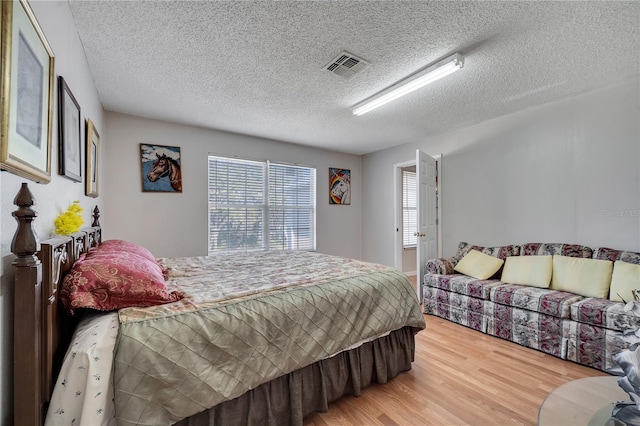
(26, 93)
(161, 168)
(93, 160)
(70, 144)
(339, 186)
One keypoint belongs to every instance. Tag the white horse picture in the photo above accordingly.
(339, 186)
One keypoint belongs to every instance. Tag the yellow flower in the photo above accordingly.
(70, 221)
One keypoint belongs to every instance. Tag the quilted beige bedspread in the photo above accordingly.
(246, 319)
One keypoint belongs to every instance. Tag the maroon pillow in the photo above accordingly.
(110, 281)
(121, 246)
(111, 246)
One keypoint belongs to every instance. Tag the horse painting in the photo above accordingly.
(339, 186)
(161, 162)
(166, 167)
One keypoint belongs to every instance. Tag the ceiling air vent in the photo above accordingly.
(346, 65)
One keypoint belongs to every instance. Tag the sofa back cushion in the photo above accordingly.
(586, 277)
(501, 252)
(478, 265)
(528, 270)
(606, 253)
(570, 250)
(626, 277)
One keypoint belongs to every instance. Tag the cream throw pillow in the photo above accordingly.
(587, 277)
(626, 277)
(478, 265)
(528, 270)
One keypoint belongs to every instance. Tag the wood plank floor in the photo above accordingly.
(460, 377)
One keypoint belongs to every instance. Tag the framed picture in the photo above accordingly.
(339, 186)
(69, 147)
(93, 160)
(26, 93)
(161, 168)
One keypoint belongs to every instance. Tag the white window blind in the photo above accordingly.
(409, 214)
(255, 205)
(292, 207)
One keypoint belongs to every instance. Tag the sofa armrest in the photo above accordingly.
(442, 266)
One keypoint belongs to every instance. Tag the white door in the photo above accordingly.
(426, 247)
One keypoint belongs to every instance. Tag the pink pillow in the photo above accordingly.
(110, 281)
(124, 247)
(110, 246)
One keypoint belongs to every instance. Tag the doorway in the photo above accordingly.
(410, 245)
(408, 219)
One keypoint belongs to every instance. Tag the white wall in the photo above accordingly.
(563, 172)
(174, 224)
(409, 261)
(566, 172)
(51, 199)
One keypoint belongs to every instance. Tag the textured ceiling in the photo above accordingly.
(257, 67)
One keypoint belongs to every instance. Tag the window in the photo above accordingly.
(260, 205)
(409, 217)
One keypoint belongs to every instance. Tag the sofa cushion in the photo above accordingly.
(527, 270)
(587, 277)
(605, 253)
(625, 278)
(459, 308)
(546, 301)
(445, 265)
(501, 252)
(527, 328)
(478, 265)
(571, 250)
(595, 346)
(604, 313)
(439, 266)
(462, 284)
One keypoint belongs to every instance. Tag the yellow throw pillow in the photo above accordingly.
(478, 265)
(528, 270)
(587, 277)
(626, 277)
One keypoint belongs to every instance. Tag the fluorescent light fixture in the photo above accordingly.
(415, 81)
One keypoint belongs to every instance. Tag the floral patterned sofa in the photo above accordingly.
(586, 330)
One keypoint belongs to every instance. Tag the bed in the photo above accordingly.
(255, 339)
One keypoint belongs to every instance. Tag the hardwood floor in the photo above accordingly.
(413, 280)
(460, 377)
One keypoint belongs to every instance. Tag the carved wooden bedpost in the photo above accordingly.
(96, 216)
(27, 390)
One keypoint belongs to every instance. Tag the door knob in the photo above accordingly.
(419, 234)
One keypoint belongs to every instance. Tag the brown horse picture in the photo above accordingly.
(161, 171)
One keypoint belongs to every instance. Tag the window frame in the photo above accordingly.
(266, 207)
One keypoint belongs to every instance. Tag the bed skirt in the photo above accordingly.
(286, 400)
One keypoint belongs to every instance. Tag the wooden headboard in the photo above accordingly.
(41, 332)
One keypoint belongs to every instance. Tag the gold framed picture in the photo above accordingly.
(26, 93)
(93, 160)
